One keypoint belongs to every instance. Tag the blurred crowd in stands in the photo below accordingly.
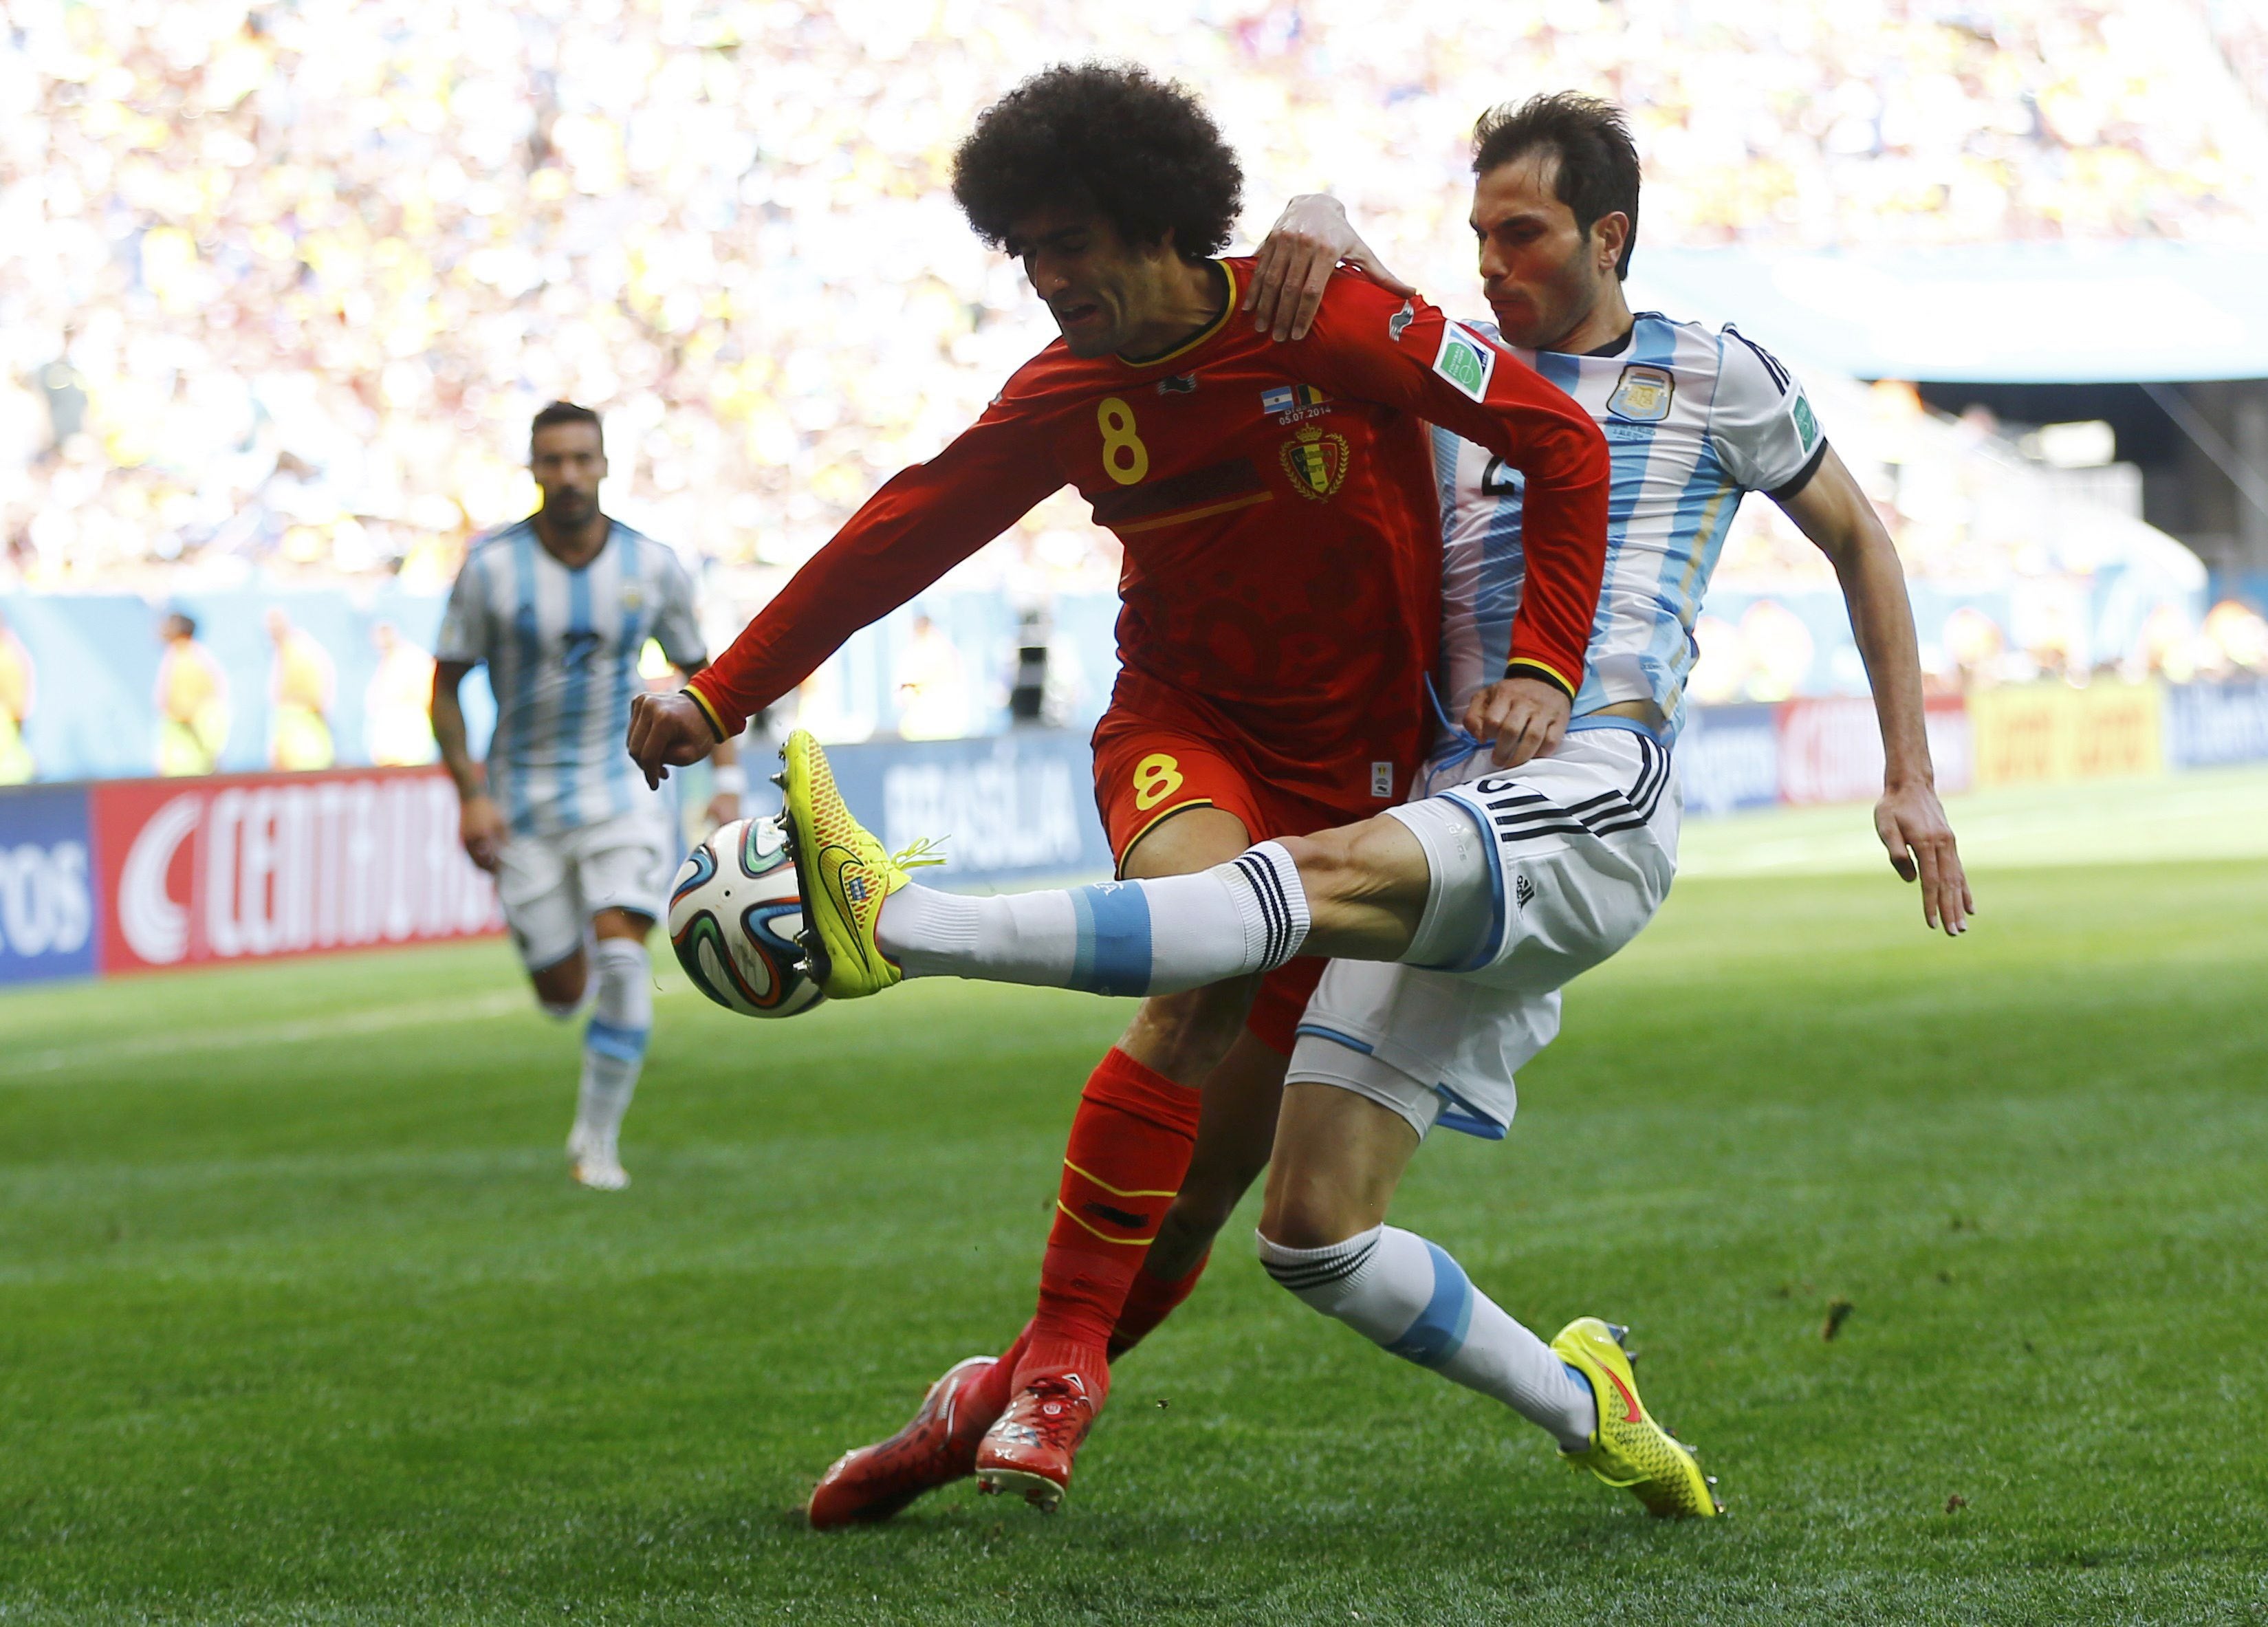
(280, 284)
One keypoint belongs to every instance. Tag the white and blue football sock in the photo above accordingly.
(1156, 936)
(1401, 1291)
(614, 1040)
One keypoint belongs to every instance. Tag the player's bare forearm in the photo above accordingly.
(1837, 516)
(479, 823)
(448, 715)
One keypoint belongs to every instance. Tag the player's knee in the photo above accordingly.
(1309, 1219)
(559, 989)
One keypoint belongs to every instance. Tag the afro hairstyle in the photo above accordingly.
(1142, 151)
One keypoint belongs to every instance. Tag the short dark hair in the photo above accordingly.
(1143, 152)
(566, 412)
(1598, 161)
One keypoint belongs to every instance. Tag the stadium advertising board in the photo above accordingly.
(1729, 758)
(47, 900)
(261, 866)
(1006, 808)
(1831, 750)
(2208, 724)
(2040, 732)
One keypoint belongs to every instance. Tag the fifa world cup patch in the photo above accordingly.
(1382, 779)
(1806, 426)
(1643, 395)
(1316, 461)
(1465, 361)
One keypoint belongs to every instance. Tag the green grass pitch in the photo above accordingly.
(300, 1320)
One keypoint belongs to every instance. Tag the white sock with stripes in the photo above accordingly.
(1401, 1291)
(1156, 936)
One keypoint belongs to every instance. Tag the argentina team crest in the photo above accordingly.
(1642, 394)
(1316, 461)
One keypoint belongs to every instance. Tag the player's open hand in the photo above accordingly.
(1295, 261)
(666, 732)
(481, 828)
(1525, 716)
(1911, 822)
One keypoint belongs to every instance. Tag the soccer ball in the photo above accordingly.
(733, 915)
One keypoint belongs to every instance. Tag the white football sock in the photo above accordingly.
(1157, 937)
(613, 1043)
(1460, 892)
(1398, 1290)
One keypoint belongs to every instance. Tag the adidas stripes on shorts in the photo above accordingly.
(1584, 846)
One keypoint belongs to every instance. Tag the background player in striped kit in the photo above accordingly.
(1576, 848)
(559, 607)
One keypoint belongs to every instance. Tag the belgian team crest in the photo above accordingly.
(1642, 394)
(1316, 461)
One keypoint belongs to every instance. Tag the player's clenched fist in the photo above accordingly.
(668, 731)
(1525, 718)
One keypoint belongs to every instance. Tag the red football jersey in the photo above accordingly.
(1281, 525)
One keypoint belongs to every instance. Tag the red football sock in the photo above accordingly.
(992, 1393)
(1148, 1302)
(1130, 1147)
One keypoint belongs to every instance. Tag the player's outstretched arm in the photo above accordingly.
(1310, 240)
(1837, 516)
(924, 521)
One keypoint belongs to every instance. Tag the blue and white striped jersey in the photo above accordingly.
(561, 648)
(1694, 421)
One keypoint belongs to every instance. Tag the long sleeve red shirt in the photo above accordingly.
(1281, 525)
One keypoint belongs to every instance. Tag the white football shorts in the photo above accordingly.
(552, 886)
(1585, 847)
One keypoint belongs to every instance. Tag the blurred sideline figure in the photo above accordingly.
(398, 732)
(17, 693)
(192, 712)
(932, 685)
(559, 606)
(302, 686)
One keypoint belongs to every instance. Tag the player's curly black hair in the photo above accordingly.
(1143, 151)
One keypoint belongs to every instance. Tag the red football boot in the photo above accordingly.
(869, 1483)
(1029, 1448)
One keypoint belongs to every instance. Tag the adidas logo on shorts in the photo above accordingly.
(1522, 890)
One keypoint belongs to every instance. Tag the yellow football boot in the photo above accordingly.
(842, 872)
(1629, 1449)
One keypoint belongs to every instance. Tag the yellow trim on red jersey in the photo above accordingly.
(1545, 669)
(1228, 309)
(1162, 815)
(709, 711)
(1186, 515)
